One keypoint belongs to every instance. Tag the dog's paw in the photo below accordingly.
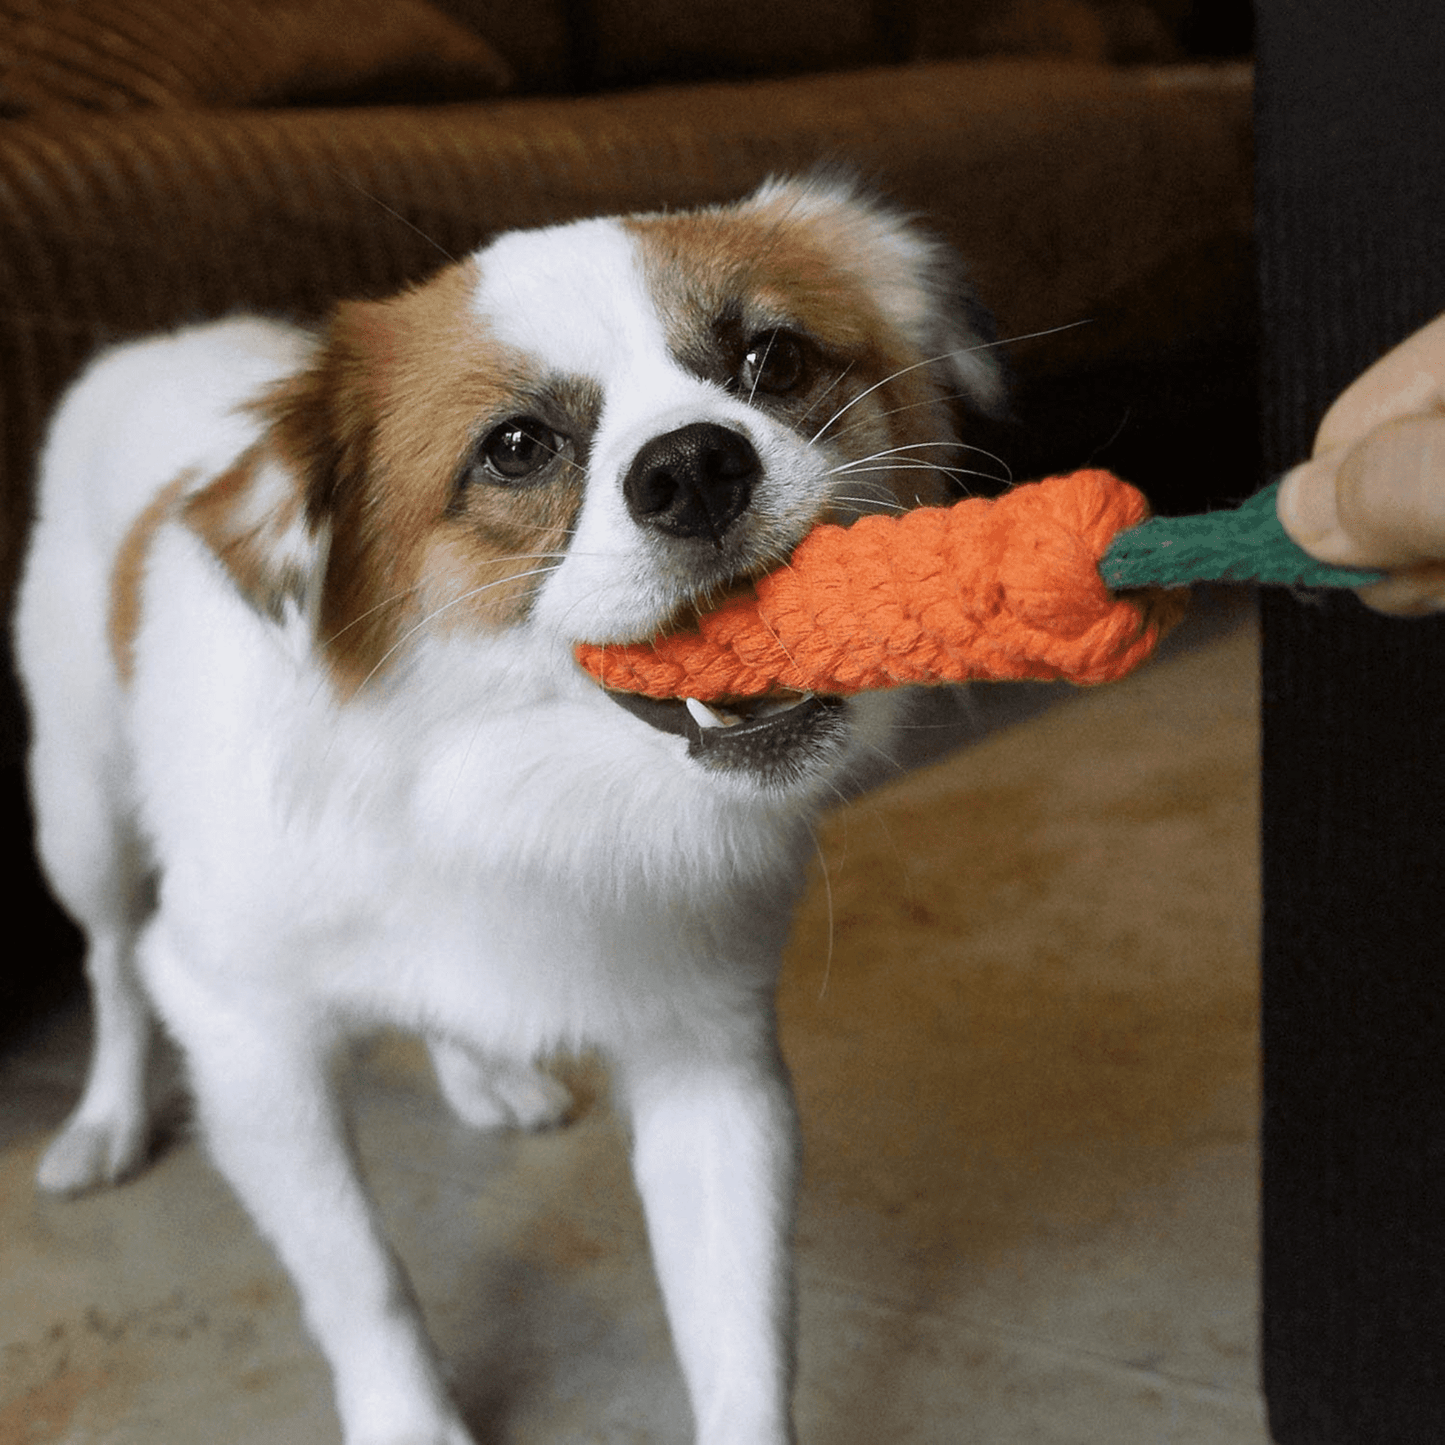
(443, 1435)
(91, 1153)
(490, 1094)
(424, 1423)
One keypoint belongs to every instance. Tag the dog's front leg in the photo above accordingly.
(276, 1134)
(268, 1108)
(715, 1156)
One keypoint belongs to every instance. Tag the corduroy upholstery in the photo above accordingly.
(145, 183)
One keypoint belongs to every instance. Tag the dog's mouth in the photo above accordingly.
(777, 739)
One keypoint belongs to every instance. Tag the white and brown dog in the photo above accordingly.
(312, 754)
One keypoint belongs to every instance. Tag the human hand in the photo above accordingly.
(1373, 492)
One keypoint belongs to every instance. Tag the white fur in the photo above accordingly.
(477, 845)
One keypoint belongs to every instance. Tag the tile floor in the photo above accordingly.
(1021, 1017)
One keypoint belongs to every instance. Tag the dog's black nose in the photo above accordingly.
(693, 482)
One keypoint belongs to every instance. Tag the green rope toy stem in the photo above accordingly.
(1247, 544)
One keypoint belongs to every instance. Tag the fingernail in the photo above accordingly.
(1305, 505)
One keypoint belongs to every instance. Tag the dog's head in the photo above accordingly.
(585, 432)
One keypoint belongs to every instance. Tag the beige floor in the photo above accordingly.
(1022, 1023)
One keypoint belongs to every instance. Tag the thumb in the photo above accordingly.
(1378, 503)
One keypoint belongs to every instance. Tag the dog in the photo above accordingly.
(312, 756)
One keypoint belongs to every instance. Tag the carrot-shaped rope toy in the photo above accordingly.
(1059, 579)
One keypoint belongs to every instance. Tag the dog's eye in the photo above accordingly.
(773, 362)
(518, 449)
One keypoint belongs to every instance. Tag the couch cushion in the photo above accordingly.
(544, 41)
(1120, 198)
(647, 40)
(120, 54)
(599, 44)
(1097, 30)
(637, 40)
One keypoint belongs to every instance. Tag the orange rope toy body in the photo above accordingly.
(997, 589)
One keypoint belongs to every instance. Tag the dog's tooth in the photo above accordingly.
(702, 714)
(771, 707)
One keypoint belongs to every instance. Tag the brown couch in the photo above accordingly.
(162, 161)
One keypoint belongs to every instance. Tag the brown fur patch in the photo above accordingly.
(128, 574)
(254, 532)
(813, 269)
(380, 429)
(825, 270)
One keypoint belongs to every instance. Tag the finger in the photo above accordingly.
(1307, 510)
(1379, 503)
(1409, 379)
(1412, 593)
(1390, 492)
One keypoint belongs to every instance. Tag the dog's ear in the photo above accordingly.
(253, 517)
(268, 517)
(915, 279)
(322, 436)
(322, 420)
(965, 338)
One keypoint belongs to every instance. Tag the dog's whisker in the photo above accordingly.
(758, 371)
(436, 612)
(396, 598)
(823, 395)
(946, 442)
(937, 360)
(828, 910)
(956, 473)
(869, 390)
(859, 423)
(844, 432)
(882, 463)
(390, 211)
(905, 450)
(908, 466)
(885, 504)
